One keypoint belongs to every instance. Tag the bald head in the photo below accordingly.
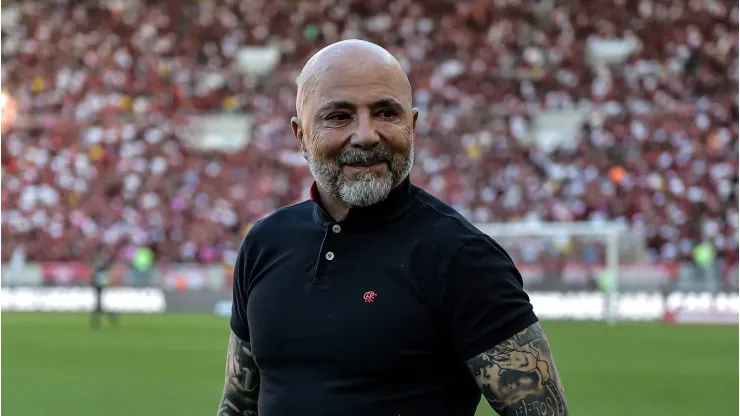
(353, 57)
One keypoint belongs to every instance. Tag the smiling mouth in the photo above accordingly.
(365, 165)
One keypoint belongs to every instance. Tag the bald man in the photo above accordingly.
(375, 298)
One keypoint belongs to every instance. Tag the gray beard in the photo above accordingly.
(368, 188)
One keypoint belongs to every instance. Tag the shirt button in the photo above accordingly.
(329, 255)
(336, 228)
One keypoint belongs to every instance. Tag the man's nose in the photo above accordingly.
(366, 134)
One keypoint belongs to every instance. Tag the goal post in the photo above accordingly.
(547, 233)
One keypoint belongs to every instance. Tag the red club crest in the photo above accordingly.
(369, 296)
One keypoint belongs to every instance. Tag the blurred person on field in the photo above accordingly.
(100, 280)
(142, 266)
(17, 264)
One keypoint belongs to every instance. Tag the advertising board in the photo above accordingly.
(639, 306)
(694, 308)
(81, 299)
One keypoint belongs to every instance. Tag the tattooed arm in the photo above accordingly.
(242, 384)
(518, 376)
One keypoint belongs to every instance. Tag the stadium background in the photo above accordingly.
(159, 130)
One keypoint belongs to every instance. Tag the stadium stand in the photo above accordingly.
(554, 110)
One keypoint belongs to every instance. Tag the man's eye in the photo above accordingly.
(387, 113)
(338, 116)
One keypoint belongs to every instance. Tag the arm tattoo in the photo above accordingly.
(242, 385)
(518, 376)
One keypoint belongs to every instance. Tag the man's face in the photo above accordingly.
(356, 132)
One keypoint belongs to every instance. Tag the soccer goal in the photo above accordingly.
(574, 261)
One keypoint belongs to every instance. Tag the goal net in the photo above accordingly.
(573, 270)
(603, 271)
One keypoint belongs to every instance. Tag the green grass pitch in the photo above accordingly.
(53, 364)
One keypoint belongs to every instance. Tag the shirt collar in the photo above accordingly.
(399, 201)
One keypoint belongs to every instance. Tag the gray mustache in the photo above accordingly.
(354, 156)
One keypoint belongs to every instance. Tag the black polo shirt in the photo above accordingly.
(375, 315)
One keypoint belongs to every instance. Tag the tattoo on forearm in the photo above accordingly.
(518, 376)
(242, 384)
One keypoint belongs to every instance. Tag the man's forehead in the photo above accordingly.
(358, 91)
(360, 86)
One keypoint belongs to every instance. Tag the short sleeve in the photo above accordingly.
(239, 325)
(483, 298)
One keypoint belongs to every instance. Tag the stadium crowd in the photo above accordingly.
(105, 91)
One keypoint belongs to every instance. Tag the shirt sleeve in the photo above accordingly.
(483, 298)
(239, 325)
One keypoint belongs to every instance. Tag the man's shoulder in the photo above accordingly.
(277, 224)
(446, 239)
(284, 218)
(445, 221)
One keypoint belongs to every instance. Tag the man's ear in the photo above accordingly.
(415, 118)
(295, 123)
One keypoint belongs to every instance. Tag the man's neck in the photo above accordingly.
(333, 206)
